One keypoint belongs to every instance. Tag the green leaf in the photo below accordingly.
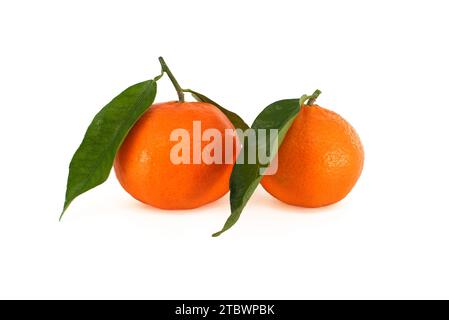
(233, 117)
(246, 177)
(92, 162)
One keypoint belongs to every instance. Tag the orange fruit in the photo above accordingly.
(319, 161)
(144, 167)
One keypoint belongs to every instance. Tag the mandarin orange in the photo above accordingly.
(319, 161)
(146, 171)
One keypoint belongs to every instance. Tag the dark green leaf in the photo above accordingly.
(92, 162)
(245, 177)
(233, 117)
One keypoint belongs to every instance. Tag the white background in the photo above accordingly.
(383, 65)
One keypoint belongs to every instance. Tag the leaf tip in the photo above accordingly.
(217, 234)
(66, 205)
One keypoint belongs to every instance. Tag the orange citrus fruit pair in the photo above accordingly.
(319, 162)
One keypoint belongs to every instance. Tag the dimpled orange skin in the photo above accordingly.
(143, 164)
(319, 161)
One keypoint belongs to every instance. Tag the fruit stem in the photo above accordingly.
(172, 79)
(313, 97)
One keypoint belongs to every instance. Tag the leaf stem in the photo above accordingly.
(313, 97)
(172, 79)
(159, 76)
